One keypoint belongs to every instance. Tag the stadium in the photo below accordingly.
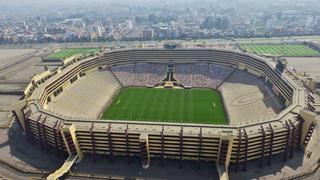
(222, 106)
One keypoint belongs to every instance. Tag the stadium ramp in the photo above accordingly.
(64, 168)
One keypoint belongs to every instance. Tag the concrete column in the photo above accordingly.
(262, 146)
(73, 147)
(230, 137)
(225, 154)
(144, 150)
(308, 119)
(18, 109)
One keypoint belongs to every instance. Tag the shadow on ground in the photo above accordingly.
(30, 155)
(170, 170)
(33, 156)
(254, 171)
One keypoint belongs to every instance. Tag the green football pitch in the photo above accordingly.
(66, 53)
(203, 106)
(290, 50)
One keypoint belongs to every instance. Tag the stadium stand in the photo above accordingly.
(88, 96)
(125, 74)
(217, 75)
(183, 74)
(199, 75)
(243, 92)
(156, 73)
(235, 144)
(195, 75)
(141, 74)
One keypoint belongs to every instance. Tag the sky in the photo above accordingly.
(129, 1)
(59, 3)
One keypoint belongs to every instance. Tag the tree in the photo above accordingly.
(153, 18)
(215, 22)
(139, 19)
(208, 23)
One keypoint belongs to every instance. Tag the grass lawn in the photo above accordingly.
(66, 53)
(290, 50)
(203, 106)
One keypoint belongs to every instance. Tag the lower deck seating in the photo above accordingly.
(88, 95)
(201, 75)
(140, 74)
(124, 73)
(217, 75)
(156, 73)
(183, 74)
(243, 92)
(196, 75)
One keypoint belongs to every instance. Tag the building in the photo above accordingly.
(147, 34)
(224, 145)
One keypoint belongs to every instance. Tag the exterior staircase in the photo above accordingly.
(64, 168)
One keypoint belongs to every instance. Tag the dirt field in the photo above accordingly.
(11, 54)
(305, 64)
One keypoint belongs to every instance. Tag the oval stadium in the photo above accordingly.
(226, 107)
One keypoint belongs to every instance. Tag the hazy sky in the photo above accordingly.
(131, 1)
(79, 3)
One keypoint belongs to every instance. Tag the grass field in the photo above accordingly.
(167, 105)
(66, 53)
(292, 50)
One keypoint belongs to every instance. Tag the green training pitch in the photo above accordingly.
(289, 50)
(201, 106)
(66, 53)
